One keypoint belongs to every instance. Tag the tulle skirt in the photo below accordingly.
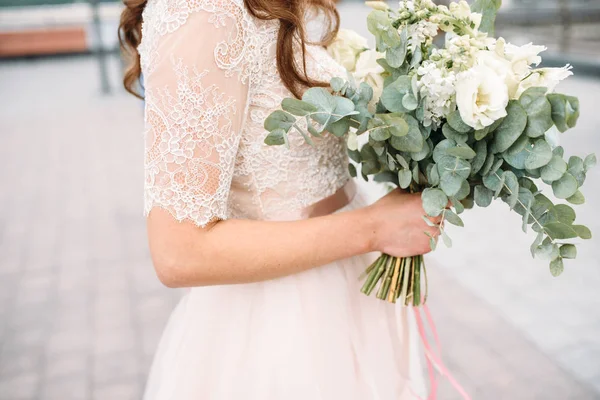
(309, 336)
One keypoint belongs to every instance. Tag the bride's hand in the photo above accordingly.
(398, 225)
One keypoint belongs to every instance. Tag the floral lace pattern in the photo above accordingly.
(205, 152)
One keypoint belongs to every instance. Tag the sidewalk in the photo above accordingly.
(81, 310)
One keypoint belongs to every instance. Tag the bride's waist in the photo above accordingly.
(272, 207)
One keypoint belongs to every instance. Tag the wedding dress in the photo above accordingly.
(210, 81)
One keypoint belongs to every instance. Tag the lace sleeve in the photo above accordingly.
(195, 107)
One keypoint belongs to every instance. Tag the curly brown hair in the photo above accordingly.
(290, 14)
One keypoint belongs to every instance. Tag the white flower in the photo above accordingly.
(481, 96)
(544, 77)
(369, 71)
(436, 87)
(346, 48)
(460, 9)
(428, 4)
(476, 18)
(407, 5)
(522, 57)
(501, 66)
(377, 5)
(421, 32)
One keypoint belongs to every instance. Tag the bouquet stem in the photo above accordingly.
(397, 279)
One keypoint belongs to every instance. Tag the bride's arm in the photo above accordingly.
(240, 251)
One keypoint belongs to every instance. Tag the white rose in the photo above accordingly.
(544, 77)
(500, 65)
(369, 71)
(481, 96)
(522, 57)
(346, 48)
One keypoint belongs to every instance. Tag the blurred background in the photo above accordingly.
(81, 310)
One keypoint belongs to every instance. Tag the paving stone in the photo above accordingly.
(73, 389)
(20, 387)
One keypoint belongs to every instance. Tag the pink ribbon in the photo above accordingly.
(434, 360)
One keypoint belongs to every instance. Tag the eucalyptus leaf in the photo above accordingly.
(583, 231)
(394, 93)
(451, 183)
(556, 267)
(355, 155)
(464, 191)
(457, 123)
(297, 107)
(488, 9)
(564, 214)
(279, 120)
(428, 221)
(482, 133)
(577, 198)
(402, 161)
(589, 162)
(487, 165)
(565, 110)
(324, 102)
(461, 151)
(433, 175)
(568, 251)
(352, 170)
(565, 187)
(396, 55)
(410, 102)
(547, 251)
(421, 155)
(511, 183)
(522, 142)
(511, 127)
(554, 170)
(539, 111)
(539, 155)
(434, 201)
(455, 166)
(576, 168)
(276, 137)
(413, 141)
(480, 157)
(452, 218)
(337, 84)
(483, 196)
(440, 149)
(404, 178)
(380, 25)
(494, 182)
(450, 133)
(560, 230)
(536, 243)
(446, 239)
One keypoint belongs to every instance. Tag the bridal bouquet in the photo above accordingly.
(462, 119)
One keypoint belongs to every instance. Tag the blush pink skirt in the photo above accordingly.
(309, 336)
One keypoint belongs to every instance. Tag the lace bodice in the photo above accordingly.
(211, 79)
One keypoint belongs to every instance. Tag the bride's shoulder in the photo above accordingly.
(169, 15)
(196, 5)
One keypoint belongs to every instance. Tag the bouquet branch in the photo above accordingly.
(462, 121)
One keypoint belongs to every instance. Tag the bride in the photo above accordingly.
(271, 241)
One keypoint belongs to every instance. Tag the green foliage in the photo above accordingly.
(452, 164)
